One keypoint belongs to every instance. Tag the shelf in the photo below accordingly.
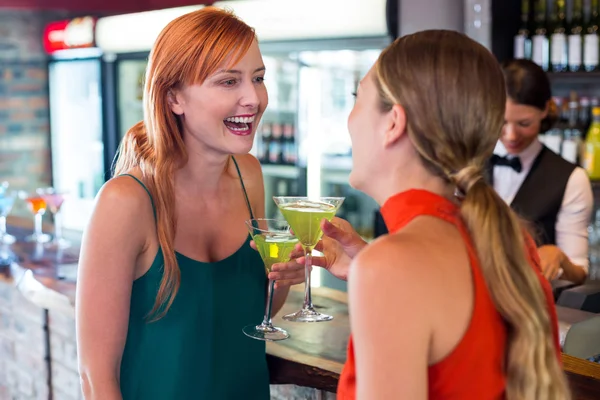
(575, 77)
(335, 177)
(336, 163)
(281, 171)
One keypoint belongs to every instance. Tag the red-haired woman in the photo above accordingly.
(167, 276)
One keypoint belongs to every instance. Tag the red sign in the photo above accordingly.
(70, 34)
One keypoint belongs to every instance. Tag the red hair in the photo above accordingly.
(187, 51)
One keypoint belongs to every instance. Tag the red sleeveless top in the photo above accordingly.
(474, 369)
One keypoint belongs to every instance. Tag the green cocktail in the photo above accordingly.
(274, 243)
(305, 219)
(274, 248)
(305, 216)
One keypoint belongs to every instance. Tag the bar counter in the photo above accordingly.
(37, 297)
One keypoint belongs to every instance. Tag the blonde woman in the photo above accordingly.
(452, 303)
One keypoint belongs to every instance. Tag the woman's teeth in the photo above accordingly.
(241, 129)
(239, 125)
(238, 120)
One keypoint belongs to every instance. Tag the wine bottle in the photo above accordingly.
(571, 145)
(522, 40)
(575, 42)
(592, 146)
(558, 37)
(539, 41)
(590, 39)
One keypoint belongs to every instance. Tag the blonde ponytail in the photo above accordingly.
(532, 368)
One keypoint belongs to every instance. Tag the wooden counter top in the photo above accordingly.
(313, 356)
(315, 352)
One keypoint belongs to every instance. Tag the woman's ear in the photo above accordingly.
(396, 125)
(551, 109)
(175, 102)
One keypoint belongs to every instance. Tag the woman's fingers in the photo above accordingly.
(286, 274)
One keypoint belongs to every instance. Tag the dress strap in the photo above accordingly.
(147, 191)
(243, 187)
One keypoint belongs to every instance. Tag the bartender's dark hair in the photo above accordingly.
(527, 84)
(187, 51)
(452, 91)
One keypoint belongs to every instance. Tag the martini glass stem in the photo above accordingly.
(57, 226)
(2, 225)
(267, 318)
(307, 268)
(37, 219)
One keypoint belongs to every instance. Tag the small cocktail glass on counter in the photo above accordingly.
(37, 206)
(54, 201)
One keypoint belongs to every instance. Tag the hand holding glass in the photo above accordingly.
(274, 243)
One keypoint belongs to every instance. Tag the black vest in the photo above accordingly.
(540, 196)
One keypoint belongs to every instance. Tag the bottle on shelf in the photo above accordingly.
(275, 145)
(584, 113)
(572, 136)
(558, 37)
(289, 144)
(575, 39)
(263, 143)
(522, 40)
(590, 39)
(594, 102)
(260, 144)
(539, 40)
(592, 146)
(553, 138)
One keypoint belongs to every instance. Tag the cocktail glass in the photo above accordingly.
(54, 201)
(275, 243)
(304, 216)
(37, 206)
(7, 199)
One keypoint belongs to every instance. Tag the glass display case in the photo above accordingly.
(76, 136)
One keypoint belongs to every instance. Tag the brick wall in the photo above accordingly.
(63, 351)
(24, 119)
(24, 371)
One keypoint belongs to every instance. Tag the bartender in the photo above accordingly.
(553, 195)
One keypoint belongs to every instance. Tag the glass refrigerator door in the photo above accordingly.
(277, 136)
(130, 90)
(328, 79)
(76, 136)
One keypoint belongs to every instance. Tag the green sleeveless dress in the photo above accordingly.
(198, 351)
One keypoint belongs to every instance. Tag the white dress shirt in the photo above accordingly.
(575, 211)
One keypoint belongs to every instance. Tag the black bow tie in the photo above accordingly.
(513, 162)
